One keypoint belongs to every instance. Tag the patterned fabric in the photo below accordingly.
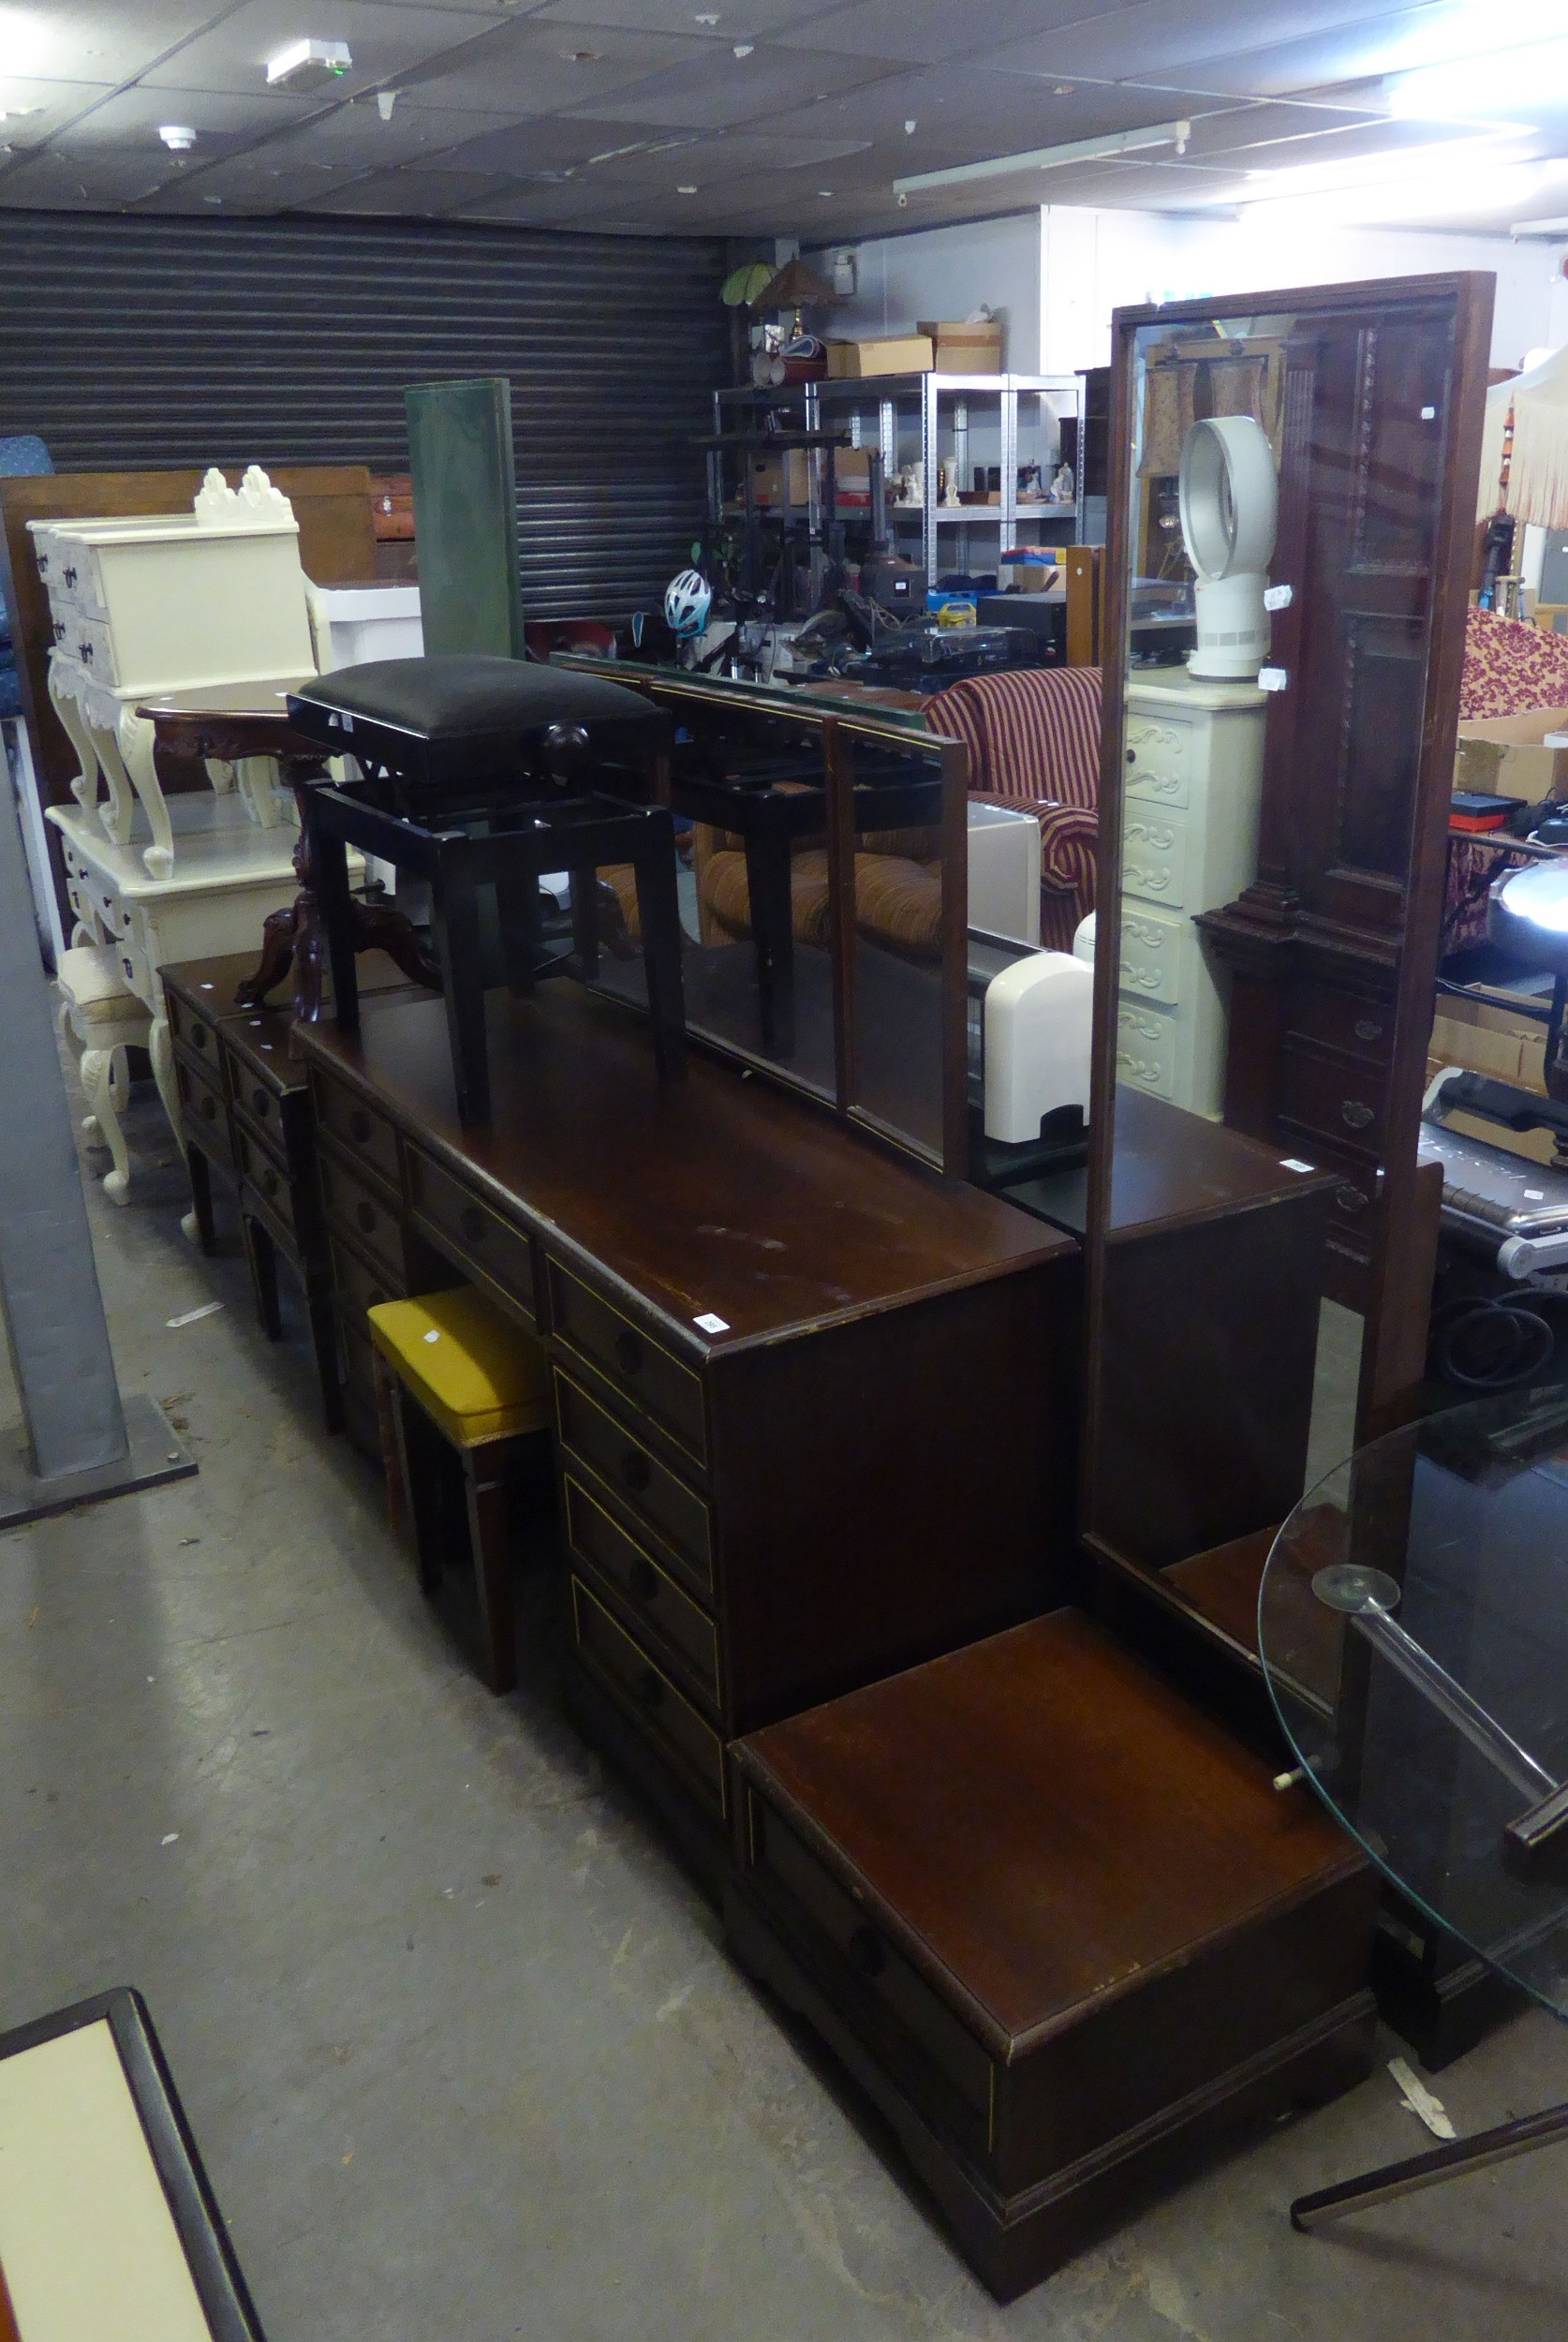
(1472, 865)
(899, 904)
(1033, 739)
(1510, 668)
(727, 899)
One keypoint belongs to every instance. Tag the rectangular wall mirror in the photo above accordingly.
(1293, 489)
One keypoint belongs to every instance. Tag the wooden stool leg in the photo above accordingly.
(260, 1252)
(389, 1425)
(489, 1528)
(659, 913)
(198, 1224)
(323, 1335)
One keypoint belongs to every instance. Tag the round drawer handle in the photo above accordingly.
(649, 1687)
(1367, 1029)
(867, 1952)
(643, 1578)
(209, 1107)
(1350, 1198)
(367, 1216)
(1132, 756)
(199, 1036)
(471, 1220)
(269, 1183)
(1354, 1113)
(360, 1127)
(635, 1471)
(628, 1354)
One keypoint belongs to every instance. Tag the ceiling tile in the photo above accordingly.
(356, 138)
(738, 20)
(969, 114)
(94, 40)
(245, 184)
(559, 205)
(538, 68)
(131, 119)
(1134, 41)
(1270, 67)
(414, 194)
(717, 90)
(931, 31)
(385, 41)
(98, 182)
(37, 109)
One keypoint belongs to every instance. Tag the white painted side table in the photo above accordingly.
(228, 876)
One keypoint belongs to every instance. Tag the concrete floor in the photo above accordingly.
(462, 2048)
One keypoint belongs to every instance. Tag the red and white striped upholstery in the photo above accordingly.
(1033, 739)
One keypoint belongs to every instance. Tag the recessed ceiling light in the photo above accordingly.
(177, 136)
(308, 64)
(744, 48)
(686, 190)
(707, 20)
(825, 190)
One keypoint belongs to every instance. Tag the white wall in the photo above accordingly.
(945, 273)
(1092, 262)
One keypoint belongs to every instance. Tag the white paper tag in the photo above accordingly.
(1278, 596)
(709, 1324)
(1272, 678)
(1292, 1162)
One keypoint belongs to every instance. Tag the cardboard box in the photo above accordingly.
(963, 348)
(908, 353)
(1489, 1040)
(1506, 758)
(852, 466)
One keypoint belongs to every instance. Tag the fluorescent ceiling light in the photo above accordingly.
(307, 64)
(28, 45)
(1509, 83)
(1048, 158)
(1553, 228)
(1429, 196)
(1389, 167)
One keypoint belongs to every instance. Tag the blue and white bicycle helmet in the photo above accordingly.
(688, 599)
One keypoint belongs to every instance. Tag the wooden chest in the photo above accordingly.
(1059, 1925)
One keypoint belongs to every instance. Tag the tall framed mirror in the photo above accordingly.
(1291, 493)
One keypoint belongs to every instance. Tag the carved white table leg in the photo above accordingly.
(84, 788)
(118, 813)
(221, 774)
(259, 781)
(105, 1082)
(136, 746)
(161, 1048)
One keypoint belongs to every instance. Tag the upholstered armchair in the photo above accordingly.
(1033, 739)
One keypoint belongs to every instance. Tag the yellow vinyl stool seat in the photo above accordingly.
(463, 1397)
(474, 1372)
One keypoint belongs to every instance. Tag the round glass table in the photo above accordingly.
(1412, 1624)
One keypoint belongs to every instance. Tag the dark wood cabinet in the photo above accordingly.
(815, 1405)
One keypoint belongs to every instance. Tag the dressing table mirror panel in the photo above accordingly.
(823, 880)
(1293, 485)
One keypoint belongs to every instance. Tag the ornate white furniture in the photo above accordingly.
(170, 603)
(102, 1018)
(228, 876)
(1189, 842)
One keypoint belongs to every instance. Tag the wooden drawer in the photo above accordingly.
(1158, 754)
(776, 1850)
(1342, 1020)
(358, 1128)
(1151, 954)
(204, 1112)
(1154, 856)
(257, 1169)
(654, 1381)
(360, 1210)
(1341, 1103)
(259, 1102)
(262, 1204)
(1146, 1049)
(643, 1691)
(90, 640)
(498, 1254)
(649, 1491)
(360, 1286)
(667, 1616)
(193, 1031)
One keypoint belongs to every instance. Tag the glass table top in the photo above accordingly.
(1412, 1624)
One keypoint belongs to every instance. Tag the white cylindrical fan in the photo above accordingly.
(1230, 508)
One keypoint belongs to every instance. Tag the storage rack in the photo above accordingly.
(924, 415)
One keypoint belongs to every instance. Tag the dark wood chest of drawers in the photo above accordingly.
(814, 1406)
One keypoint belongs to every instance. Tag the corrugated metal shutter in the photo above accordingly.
(133, 342)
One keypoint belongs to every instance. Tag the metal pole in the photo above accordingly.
(49, 1282)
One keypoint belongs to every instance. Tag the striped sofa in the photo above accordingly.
(1033, 739)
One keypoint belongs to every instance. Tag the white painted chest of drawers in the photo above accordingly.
(1190, 843)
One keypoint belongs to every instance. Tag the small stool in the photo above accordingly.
(463, 1402)
(102, 1018)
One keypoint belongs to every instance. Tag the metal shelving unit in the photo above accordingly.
(916, 415)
